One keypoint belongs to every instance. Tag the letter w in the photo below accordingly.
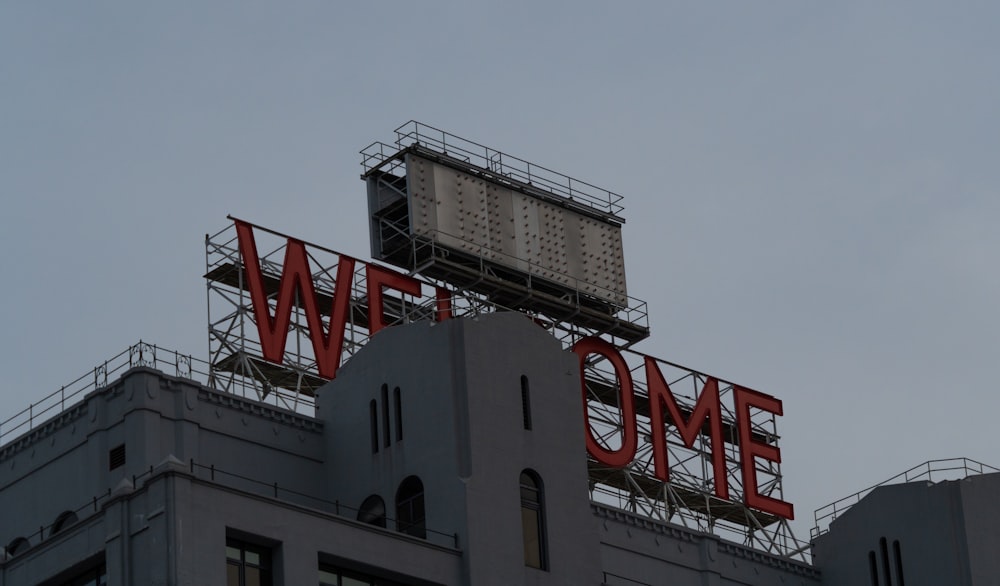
(707, 405)
(296, 277)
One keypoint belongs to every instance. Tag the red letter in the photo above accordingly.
(630, 438)
(442, 304)
(379, 277)
(295, 274)
(707, 405)
(749, 449)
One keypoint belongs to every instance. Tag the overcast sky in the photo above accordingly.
(811, 188)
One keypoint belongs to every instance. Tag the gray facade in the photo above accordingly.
(918, 533)
(147, 480)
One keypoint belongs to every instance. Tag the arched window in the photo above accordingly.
(372, 511)
(410, 508)
(64, 520)
(17, 545)
(533, 520)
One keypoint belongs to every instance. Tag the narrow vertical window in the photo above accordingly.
(873, 567)
(886, 570)
(386, 431)
(398, 400)
(533, 521)
(899, 562)
(525, 403)
(410, 516)
(373, 419)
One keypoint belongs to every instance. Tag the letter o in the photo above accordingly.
(630, 438)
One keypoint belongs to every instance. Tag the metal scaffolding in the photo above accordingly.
(235, 351)
(688, 498)
(518, 234)
(237, 365)
(459, 277)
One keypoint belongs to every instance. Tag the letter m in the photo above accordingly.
(707, 406)
(296, 277)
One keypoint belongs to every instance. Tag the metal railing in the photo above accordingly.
(944, 469)
(70, 517)
(145, 354)
(614, 580)
(435, 246)
(141, 354)
(276, 491)
(504, 165)
(65, 520)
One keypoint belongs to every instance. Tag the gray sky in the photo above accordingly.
(811, 188)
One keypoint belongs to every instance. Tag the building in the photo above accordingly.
(441, 454)
(916, 531)
(447, 448)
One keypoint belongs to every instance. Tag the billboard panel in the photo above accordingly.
(514, 228)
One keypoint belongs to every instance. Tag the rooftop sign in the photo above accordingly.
(664, 440)
(330, 304)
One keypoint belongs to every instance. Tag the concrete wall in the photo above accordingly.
(173, 530)
(982, 526)
(637, 550)
(464, 437)
(944, 533)
(160, 520)
(63, 464)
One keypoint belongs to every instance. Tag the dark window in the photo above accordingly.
(89, 572)
(533, 520)
(386, 438)
(899, 562)
(64, 520)
(333, 576)
(116, 457)
(247, 564)
(410, 508)
(873, 567)
(18, 545)
(93, 577)
(525, 403)
(398, 400)
(373, 417)
(372, 511)
(884, 547)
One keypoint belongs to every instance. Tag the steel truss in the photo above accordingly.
(235, 351)
(511, 168)
(503, 279)
(688, 498)
(474, 284)
(237, 366)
